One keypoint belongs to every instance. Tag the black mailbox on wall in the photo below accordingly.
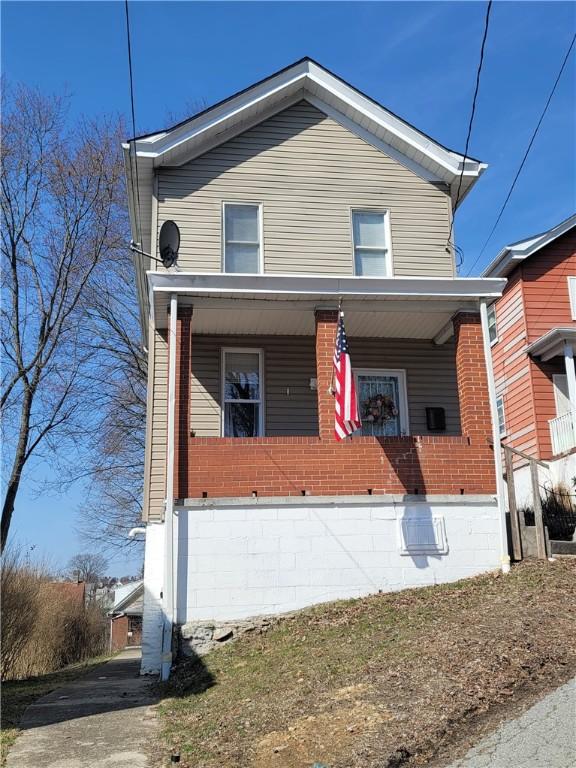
(436, 419)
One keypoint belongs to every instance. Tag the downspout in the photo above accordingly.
(168, 592)
(498, 466)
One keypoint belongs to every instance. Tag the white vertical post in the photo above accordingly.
(499, 469)
(168, 591)
(571, 379)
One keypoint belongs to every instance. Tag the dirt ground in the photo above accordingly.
(391, 680)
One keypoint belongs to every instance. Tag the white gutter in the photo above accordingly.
(498, 467)
(321, 286)
(169, 589)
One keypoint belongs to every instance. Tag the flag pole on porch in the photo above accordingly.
(346, 419)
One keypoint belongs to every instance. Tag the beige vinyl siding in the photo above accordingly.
(289, 363)
(308, 172)
(430, 375)
(158, 425)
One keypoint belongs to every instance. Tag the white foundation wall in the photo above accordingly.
(256, 557)
(152, 617)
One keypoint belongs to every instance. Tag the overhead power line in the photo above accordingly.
(528, 148)
(133, 155)
(472, 112)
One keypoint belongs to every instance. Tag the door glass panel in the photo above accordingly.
(379, 405)
(561, 394)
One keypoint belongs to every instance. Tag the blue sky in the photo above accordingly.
(418, 59)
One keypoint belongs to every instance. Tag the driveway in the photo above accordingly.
(543, 737)
(101, 720)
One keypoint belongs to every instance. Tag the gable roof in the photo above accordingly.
(305, 79)
(126, 594)
(511, 255)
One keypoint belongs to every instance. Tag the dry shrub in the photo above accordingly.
(44, 627)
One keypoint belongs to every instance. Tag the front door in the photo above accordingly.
(382, 402)
(134, 630)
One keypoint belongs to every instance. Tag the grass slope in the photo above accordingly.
(385, 681)
(16, 695)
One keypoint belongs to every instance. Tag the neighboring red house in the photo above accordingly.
(533, 335)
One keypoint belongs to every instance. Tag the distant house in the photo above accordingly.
(533, 340)
(126, 616)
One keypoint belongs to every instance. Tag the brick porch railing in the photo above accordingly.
(289, 466)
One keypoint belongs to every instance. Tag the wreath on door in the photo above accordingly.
(378, 409)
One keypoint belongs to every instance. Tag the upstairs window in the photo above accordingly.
(242, 238)
(572, 293)
(492, 329)
(371, 239)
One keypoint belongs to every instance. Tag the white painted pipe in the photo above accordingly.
(498, 466)
(168, 592)
(135, 532)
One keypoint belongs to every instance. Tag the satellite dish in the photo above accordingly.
(169, 243)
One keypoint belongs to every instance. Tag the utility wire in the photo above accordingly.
(472, 113)
(529, 147)
(133, 155)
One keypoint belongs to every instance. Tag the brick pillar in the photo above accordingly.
(472, 379)
(326, 325)
(182, 424)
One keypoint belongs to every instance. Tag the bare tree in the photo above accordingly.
(87, 566)
(115, 469)
(63, 219)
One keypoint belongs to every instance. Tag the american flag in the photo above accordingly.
(346, 407)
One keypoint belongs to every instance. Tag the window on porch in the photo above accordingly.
(242, 393)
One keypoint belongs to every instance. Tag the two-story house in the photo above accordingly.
(533, 339)
(291, 197)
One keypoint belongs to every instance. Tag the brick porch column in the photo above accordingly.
(472, 379)
(182, 424)
(326, 325)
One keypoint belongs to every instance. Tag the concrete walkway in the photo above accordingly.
(102, 720)
(543, 737)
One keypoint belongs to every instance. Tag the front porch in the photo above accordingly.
(255, 417)
(554, 355)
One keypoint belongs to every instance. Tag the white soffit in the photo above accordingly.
(552, 343)
(279, 322)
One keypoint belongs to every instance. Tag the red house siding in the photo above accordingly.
(535, 300)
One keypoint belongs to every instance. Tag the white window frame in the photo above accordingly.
(502, 430)
(572, 295)
(403, 410)
(492, 309)
(249, 204)
(389, 260)
(223, 400)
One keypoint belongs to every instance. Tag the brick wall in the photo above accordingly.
(472, 379)
(287, 466)
(326, 325)
(119, 633)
